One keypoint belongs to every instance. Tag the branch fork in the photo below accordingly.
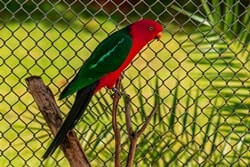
(133, 135)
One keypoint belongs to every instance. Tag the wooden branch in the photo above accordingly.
(140, 131)
(134, 135)
(131, 153)
(46, 103)
(116, 98)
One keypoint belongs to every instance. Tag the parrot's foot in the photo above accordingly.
(116, 91)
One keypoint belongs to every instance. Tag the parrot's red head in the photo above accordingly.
(146, 30)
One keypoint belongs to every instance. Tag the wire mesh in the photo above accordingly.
(199, 69)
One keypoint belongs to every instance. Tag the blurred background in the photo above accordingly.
(199, 71)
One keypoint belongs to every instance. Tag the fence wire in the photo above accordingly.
(199, 70)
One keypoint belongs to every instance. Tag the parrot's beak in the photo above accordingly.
(158, 36)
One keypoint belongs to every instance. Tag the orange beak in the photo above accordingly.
(158, 36)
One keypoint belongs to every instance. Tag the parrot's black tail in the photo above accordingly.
(82, 100)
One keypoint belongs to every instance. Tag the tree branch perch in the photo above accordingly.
(46, 103)
(116, 98)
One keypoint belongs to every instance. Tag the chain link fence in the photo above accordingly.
(199, 69)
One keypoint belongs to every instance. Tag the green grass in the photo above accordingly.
(189, 113)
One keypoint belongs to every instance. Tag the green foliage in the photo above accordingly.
(222, 58)
(173, 110)
(224, 22)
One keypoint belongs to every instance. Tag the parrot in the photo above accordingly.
(103, 68)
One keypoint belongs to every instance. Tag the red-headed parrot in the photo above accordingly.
(103, 68)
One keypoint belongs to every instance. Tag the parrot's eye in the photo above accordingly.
(150, 28)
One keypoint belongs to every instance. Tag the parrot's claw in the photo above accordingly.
(116, 91)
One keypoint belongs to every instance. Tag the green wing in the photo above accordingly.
(107, 57)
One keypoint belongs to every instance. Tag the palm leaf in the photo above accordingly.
(193, 16)
(173, 110)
